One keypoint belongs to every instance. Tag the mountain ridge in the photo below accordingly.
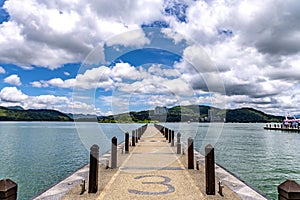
(20, 114)
(190, 113)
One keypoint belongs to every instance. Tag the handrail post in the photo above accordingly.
(126, 143)
(210, 170)
(114, 142)
(178, 143)
(94, 168)
(190, 153)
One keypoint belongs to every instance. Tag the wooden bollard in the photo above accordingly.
(167, 134)
(210, 170)
(136, 136)
(8, 189)
(170, 135)
(133, 138)
(178, 143)
(113, 157)
(126, 142)
(289, 190)
(94, 166)
(172, 139)
(139, 133)
(190, 153)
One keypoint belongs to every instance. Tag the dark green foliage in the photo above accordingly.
(32, 115)
(250, 115)
(193, 113)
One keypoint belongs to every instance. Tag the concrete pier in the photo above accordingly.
(153, 170)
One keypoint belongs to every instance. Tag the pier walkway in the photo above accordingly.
(152, 170)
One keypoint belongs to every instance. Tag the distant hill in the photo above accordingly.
(191, 113)
(194, 113)
(19, 114)
(250, 115)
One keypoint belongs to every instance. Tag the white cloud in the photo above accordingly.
(95, 78)
(2, 70)
(56, 82)
(13, 79)
(157, 70)
(125, 71)
(199, 59)
(254, 44)
(50, 34)
(67, 73)
(12, 94)
(134, 38)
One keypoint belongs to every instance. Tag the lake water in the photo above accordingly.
(39, 154)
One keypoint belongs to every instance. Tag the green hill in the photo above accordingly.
(194, 113)
(9, 114)
(250, 115)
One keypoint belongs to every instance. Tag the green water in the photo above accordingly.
(39, 154)
(262, 158)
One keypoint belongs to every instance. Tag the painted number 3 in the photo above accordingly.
(170, 188)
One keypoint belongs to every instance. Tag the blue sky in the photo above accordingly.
(82, 57)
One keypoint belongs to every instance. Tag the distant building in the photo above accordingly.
(160, 110)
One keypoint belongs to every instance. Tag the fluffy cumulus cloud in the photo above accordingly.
(50, 34)
(2, 70)
(13, 80)
(12, 94)
(244, 52)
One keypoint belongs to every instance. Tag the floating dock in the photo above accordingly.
(151, 169)
(280, 127)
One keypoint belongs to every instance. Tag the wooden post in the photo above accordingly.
(170, 135)
(133, 138)
(289, 190)
(190, 153)
(172, 139)
(210, 170)
(126, 143)
(8, 189)
(136, 136)
(167, 134)
(94, 166)
(114, 142)
(139, 133)
(178, 143)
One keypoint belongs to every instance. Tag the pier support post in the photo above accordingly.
(126, 143)
(210, 170)
(133, 138)
(289, 190)
(94, 166)
(139, 133)
(190, 153)
(172, 139)
(136, 136)
(8, 189)
(178, 143)
(167, 134)
(114, 152)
